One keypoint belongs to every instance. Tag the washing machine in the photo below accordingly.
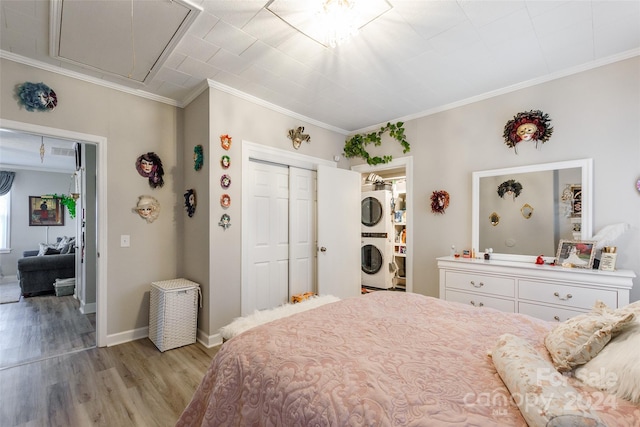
(376, 212)
(378, 268)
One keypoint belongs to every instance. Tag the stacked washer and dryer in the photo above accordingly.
(377, 239)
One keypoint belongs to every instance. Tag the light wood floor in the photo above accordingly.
(43, 326)
(131, 384)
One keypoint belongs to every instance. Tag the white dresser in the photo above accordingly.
(543, 291)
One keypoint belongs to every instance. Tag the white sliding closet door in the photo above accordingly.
(268, 238)
(302, 227)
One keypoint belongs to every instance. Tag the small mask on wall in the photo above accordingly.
(190, 202)
(36, 97)
(198, 157)
(148, 208)
(510, 187)
(225, 221)
(297, 136)
(439, 201)
(149, 166)
(225, 141)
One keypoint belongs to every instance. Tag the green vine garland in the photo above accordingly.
(355, 146)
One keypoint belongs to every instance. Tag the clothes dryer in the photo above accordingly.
(378, 268)
(376, 213)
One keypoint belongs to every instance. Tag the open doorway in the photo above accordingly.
(398, 175)
(51, 323)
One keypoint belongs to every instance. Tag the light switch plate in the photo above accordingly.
(125, 241)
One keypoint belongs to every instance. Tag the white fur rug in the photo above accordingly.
(260, 317)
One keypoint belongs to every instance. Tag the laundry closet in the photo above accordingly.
(383, 230)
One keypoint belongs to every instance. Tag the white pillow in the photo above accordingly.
(47, 249)
(616, 368)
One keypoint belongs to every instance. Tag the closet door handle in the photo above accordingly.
(568, 296)
(478, 285)
(323, 249)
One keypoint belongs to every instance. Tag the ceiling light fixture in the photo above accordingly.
(329, 22)
(338, 21)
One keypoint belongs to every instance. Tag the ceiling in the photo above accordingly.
(20, 150)
(417, 58)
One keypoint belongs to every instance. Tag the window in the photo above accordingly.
(5, 221)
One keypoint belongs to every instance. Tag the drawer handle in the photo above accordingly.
(474, 304)
(569, 296)
(556, 318)
(478, 285)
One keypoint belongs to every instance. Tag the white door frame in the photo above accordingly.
(253, 151)
(399, 162)
(101, 190)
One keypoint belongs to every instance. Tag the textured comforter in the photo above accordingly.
(382, 359)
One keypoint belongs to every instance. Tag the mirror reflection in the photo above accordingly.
(543, 186)
(527, 210)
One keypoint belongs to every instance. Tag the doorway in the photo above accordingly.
(397, 169)
(92, 185)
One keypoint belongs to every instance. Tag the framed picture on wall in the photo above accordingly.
(577, 253)
(45, 211)
(576, 200)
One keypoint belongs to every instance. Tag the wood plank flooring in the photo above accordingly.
(43, 326)
(132, 384)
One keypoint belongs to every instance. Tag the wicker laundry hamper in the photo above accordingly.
(173, 313)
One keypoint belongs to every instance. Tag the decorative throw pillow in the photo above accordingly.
(616, 369)
(541, 393)
(577, 340)
(47, 249)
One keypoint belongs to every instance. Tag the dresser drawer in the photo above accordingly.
(501, 286)
(551, 314)
(565, 295)
(480, 300)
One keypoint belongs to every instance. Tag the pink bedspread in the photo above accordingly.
(382, 359)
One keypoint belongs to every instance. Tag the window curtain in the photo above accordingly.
(6, 181)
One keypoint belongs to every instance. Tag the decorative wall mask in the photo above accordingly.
(526, 210)
(225, 141)
(532, 125)
(510, 188)
(494, 218)
(190, 202)
(148, 208)
(225, 221)
(149, 166)
(36, 97)
(198, 157)
(439, 201)
(225, 181)
(297, 136)
(225, 162)
(225, 200)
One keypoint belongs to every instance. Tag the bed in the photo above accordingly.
(387, 359)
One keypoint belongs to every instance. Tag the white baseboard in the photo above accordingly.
(9, 279)
(87, 308)
(123, 337)
(208, 340)
(136, 334)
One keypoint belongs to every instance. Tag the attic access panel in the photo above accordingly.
(126, 39)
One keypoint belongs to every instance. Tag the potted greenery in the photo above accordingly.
(68, 201)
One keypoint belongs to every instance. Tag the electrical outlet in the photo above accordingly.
(125, 241)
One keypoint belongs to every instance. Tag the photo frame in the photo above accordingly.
(45, 211)
(577, 253)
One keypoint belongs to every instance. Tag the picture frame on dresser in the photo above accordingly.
(577, 253)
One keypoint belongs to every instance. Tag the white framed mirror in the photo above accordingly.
(543, 186)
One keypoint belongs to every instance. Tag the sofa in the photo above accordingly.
(39, 269)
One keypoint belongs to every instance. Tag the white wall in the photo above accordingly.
(132, 126)
(24, 237)
(594, 114)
